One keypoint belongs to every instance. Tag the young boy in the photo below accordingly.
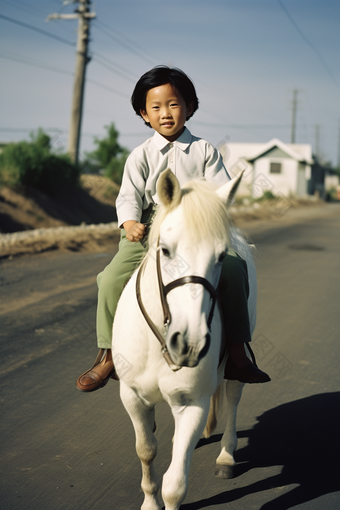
(166, 98)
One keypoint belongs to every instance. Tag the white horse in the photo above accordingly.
(192, 236)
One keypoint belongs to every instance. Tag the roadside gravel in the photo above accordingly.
(94, 237)
(81, 238)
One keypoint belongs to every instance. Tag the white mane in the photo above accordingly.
(205, 214)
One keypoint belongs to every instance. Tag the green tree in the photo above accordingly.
(41, 140)
(109, 156)
(33, 164)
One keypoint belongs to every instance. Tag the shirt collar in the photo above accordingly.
(182, 141)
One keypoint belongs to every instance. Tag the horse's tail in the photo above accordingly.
(215, 403)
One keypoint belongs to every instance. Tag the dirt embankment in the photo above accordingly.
(86, 220)
(27, 208)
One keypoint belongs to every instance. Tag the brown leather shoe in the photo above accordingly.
(248, 374)
(92, 380)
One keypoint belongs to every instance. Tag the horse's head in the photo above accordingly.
(192, 230)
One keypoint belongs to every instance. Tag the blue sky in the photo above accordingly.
(244, 56)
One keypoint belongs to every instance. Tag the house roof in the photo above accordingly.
(298, 152)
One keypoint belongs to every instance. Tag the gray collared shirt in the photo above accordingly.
(188, 158)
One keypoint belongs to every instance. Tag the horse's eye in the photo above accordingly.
(222, 256)
(165, 252)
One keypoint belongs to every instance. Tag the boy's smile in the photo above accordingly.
(166, 111)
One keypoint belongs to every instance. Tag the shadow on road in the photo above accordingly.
(302, 437)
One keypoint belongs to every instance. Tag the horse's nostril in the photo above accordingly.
(178, 343)
(173, 340)
(187, 354)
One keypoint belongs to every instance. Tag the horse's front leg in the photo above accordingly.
(143, 419)
(225, 461)
(189, 424)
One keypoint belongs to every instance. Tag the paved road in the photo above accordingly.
(62, 449)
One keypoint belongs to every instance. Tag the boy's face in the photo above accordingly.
(166, 111)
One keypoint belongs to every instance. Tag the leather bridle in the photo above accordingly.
(163, 291)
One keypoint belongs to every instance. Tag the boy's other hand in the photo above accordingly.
(134, 232)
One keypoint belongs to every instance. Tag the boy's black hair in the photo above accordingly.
(160, 75)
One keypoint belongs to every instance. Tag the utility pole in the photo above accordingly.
(317, 141)
(83, 14)
(338, 162)
(294, 110)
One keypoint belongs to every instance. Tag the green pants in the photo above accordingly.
(111, 283)
(233, 292)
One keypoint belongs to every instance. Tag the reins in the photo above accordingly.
(152, 325)
(163, 292)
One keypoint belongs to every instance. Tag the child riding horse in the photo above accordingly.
(166, 98)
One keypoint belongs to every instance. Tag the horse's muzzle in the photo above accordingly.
(186, 354)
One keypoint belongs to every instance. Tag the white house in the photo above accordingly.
(281, 168)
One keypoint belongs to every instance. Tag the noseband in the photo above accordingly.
(163, 291)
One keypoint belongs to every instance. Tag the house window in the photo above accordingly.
(275, 168)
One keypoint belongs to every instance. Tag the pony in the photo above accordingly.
(167, 333)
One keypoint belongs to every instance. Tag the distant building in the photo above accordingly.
(274, 166)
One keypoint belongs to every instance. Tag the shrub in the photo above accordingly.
(33, 164)
(115, 168)
(267, 195)
(109, 156)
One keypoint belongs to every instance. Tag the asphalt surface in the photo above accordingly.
(63, 449)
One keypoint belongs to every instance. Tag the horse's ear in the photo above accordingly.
(228, 191)
(168, 189)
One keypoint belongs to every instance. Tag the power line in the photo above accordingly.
(209, 112)
(64, 131)
(126, 42)
(130, 45)
(24, 6)
(97, 57)
(35, 29)
(45, 129)
(110, 89)
(32, 62)
(125, 45)
(244, 126)
(307, 41)
(34, 11)
(110, 67)
(27, 130)
(37, 63)
(114, 64)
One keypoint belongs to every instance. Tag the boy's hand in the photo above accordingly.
(134, 231)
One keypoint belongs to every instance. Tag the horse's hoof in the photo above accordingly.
(224, 471)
